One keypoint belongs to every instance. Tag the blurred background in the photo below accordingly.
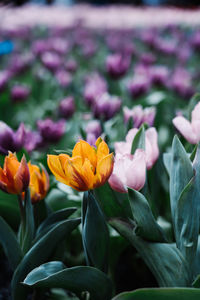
(184, 3)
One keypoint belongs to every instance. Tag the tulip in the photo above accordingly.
(67, 107)
(139, 115)
(51, 131)
(32, 140)
(93, 127)
(159, 75)
(39, 183)
(139, 85)
(190, 130)
(117, 65)
(151, 145)
(10, 140)
(4, 79)
(106, 106)
(129, 171)
(64, 78)
(19, 93)
(51, 61)
(94, 88)
(14, 177)
(88, 167)
(181, 83)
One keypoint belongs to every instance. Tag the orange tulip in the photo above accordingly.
(88, 167)
(14, 177)
(39, 182)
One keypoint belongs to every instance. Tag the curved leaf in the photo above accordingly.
(39, 253)
(76, 279)
(160, 294)
(10, 244)
(147, 227)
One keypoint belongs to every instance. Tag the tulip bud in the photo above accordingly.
(51, 131)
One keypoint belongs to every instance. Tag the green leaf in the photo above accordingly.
(66, 151)
(139, 140)
(29, 223)
(147, 226)
(9, 209)
(112, 203)
(76, 279)
(53, 218)
(10, 244)
(181, 172)
(187, 215)
(160, 294)
(95, 233)
(164, 260)
(41, 251)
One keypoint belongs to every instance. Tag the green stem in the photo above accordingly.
(22, 212)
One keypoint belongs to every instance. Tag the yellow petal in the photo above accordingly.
(54, 165)
(104, 170)
(84, 150)
(102, 151)
(63, 158)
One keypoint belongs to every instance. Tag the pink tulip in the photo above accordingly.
(190, 130)
(151, 145)
(129, 172)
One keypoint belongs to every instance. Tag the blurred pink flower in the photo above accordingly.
(190, 130)
(151, 145)
(129, 171)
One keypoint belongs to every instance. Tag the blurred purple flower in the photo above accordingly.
(181, 83)
(106, 106)
(147, 58)
(64, 78)
(51, 131)
(117, 65)
(94, 88)
(32, 140)
(10, 140)
(67, 107)
(94, 127)
(71, 65)
(51, 61)
(91, 139)
(19, 93)
(139, 115)
(159, 75)
(4, 79)
(139, 85)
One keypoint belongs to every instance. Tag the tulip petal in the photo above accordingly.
(185, 128)
(151, 147)
(196, 113)
(84, 150)
(22, 176)
(102, 151)
(104, 170)
(54, 165)
(116, 184)
(74, 175)
(136, 172)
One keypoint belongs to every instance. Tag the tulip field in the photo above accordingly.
(99, 155)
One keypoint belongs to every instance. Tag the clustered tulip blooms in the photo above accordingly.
(88, 167)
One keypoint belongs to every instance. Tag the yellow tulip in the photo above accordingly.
(39, 182)
(14, 177)
(88, 167)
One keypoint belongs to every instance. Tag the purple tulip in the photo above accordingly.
(71, 65)
(147, 58)
(19, 93)
(10, 140)
(139, 85)
(67, 107)
(33, 140)
(51, 131)
(91, 139)
(94, 88)
(94, 127)
(51, 61)
(117, 65)
(181, 83)
(106, 106)
(139, 115)
(159, 75)
(64, 78)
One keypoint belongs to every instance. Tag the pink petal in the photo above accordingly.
(185, 128)
(151, 145)
(116, 184)
(136, 172)
(196, 112)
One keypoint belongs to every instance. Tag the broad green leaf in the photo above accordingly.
(95, 233)
(160, 294)
(167, 158)
(41, 251)
(10, 244)
(188, 214)
(164, 260)
(9, 209)
(147, 227)
(139, 140)
(53, 218)
(76, 279)
(112, 203)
